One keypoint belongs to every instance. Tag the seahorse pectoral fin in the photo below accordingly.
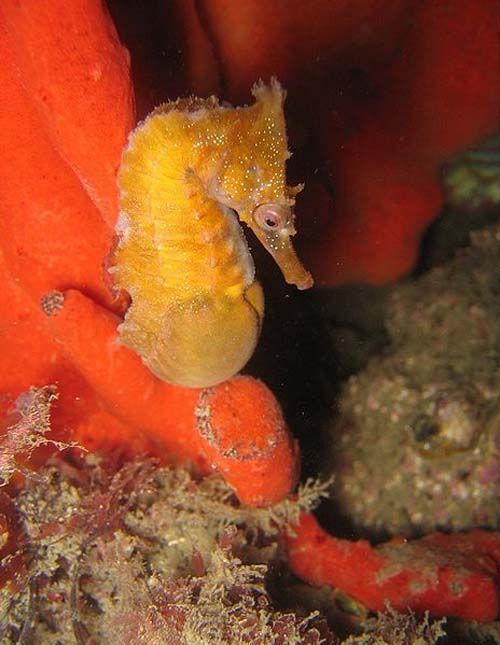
(279, 245)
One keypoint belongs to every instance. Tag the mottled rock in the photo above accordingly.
(415, 441)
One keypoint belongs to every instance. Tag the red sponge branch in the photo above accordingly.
(76, 73)
(449, 575)
(236, 427)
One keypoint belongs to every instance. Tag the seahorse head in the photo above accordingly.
(253, 178)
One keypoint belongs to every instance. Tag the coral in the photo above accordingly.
(65, 85)
(78, 94)
(25, 430)
(299, 44)
(236, 427)
(449, 575)
(24, 437)
(53, 235)
(387, 174)
(148, 554)
(391, 628)
(382, 93)
(414, 444)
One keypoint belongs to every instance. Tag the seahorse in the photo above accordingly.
(188, 172)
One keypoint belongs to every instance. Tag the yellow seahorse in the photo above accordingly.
(197, 308)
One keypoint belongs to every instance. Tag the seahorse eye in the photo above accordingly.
(271, 217)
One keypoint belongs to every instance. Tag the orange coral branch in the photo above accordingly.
(245, 437)
(449, 575)
(88, 337)
(52, 234)
(236, 427)
(76, 73)
(432, 101)
(67, 109)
